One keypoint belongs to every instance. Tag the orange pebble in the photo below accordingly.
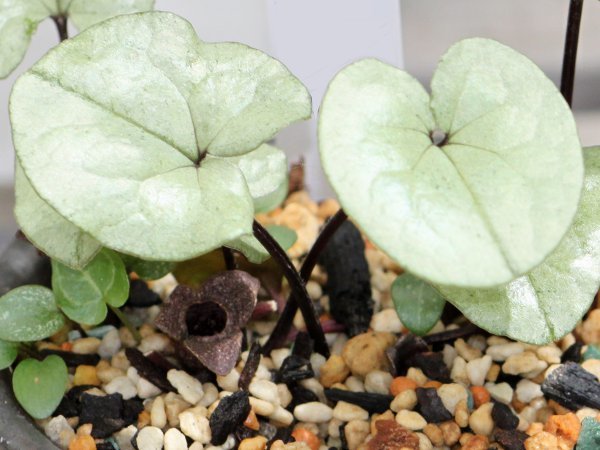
(251, 421)
(308, 437)
(400, 384)
(480, 395)
(566, 426)
(432, 384)
(66, 346)
(85, 442)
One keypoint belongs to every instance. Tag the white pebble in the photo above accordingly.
(230, 381)
(110, 345)
(122, 385)
(527, 390)
(477, 370)
(501, 392)
(279, 355)
(459, 371)
(313, 412)
(316, 361)
(86, 346)
(355, 384)
(346, 412)
(481, 421)
(406, 399)
(158, 415)
(198, 446)
(155, 342)
(465, 351)
(265, 390)
(145, 389)
(211, 394)
(59, 431)
(188, 387)
(523, 363)
(175, 440)
(411, 420)
(386, 321)
(194, 424)
(449, 354)
(451, 394)
(501, 352)
(262, 407)
(378, 382)
(282, 415)
(285, 396)
(150, 438)
(133, 375)
(314, 290)
(313, 385)
(124, 436)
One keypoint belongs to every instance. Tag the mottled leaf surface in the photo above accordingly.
(486, 203)
(85, 13)
(29, 313)
(546, 303)
(83, 294)
(139, 150)
(8, 353)
(147, 270)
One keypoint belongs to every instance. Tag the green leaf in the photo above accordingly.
(474, 210)
(147, 270)
(195, 271)
(150, 185)
(40, 385)
(285, 237)
(85, 13)
(83, 294)
(48, 230)
(8, 353)
(254, 251)
(265, 171)
(18, 21)
(29, 313)
(419, 306)
(546, 303)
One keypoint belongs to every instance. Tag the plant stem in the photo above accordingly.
(125, 321)
(229, 258)
(61, 26)
(570, 54)
(284, 324)
(297, 286)
(29, 351)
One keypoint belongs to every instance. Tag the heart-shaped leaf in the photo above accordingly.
(84, 294)
(254, 250)
(152, 185)
(40, 385)
(459, 189)
(29, 313)
(49, 231)
(8, 353)
(418, 304)
(546, 303)
(147, 270)
(19, 20)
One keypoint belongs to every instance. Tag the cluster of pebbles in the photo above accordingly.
(456, 388)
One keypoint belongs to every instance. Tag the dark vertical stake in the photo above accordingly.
(229, 258)
(570, 55)
(61, 26)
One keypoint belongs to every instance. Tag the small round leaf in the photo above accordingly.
(8, 353)
(40, 385)
(29, 313)
(419, 306)
(147, 270)
(471, 207)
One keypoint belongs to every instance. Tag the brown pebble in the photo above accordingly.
(82, 442)
(255, 443)
(391, 436)
(451, 432)
(334, 371)
(387, 415)
(365, 352)
(542, 441)
(461, 414)
(435, 434)
(476, 442)
(143, 419)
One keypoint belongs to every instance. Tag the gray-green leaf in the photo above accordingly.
(147, 270)
(29, 313)
(84, 294)
(254, 251)
(474, 210)
(49, 231)
(546, 303)
(419, 306)
(138, 149)
(8, 353)
(85, 13)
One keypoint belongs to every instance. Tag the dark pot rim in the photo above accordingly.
(20, 264)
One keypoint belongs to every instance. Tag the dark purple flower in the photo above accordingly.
(208, 320)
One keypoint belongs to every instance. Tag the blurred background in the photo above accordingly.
(316, 38)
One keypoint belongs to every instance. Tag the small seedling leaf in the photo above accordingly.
(419, 305)
(546, 303)
(8, 353)
(29, 313)
(84, 294)
(482, 204)
(40, 385)
(254, 251)
(147, 270)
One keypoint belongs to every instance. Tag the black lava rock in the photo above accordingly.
(432, 365)
(141, 296)
(374, 403)
(572, 386)
(404, 349)
(348, 279)
(504, 417)
(105, 413)
(230, 413)
(70, 405)
(131, 410)
(301, 395)
(148, 370)
(510, 439)
(431, 406)
(573, 353)
(294, 368)
(303, 345)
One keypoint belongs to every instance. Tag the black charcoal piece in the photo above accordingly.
(250, 367)
(148, 370)
(160, 361)
(572, 386)
(451, 335)
(294, 368)
(510, 439)
(70, 405)
(282, 434)
(105, 413)
(405, 348)
(373, 403)
(348, 279)
(431, 406)
(141, 296)
(432, 365)
(131, 410)
(504, 417)
(231, 412)
(73, 359)
(241, 432)
(573, 353)
(303, 345)
(301, 395)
